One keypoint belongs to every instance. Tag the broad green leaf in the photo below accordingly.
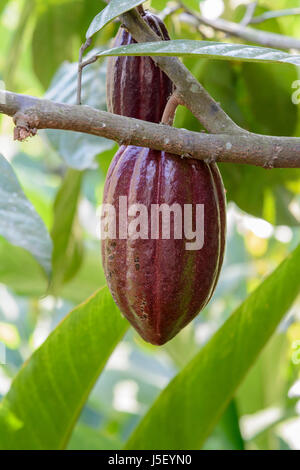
(158, 4)
(205, 49)
(20, 271)
(187, 410)
(66, 233)
(53, 38)
(227, 434)
(47, 395)
(17, 43)
(229, 425)
(79, 150)
(192, 4)
(42, 193)
(262, 95)
(87, 438)
(19, 223)
(266, 385)
(270, 197)
(3, 5)
(267, 98)
(89, 277)
(113, 9)
(258, 98)
(58, 34)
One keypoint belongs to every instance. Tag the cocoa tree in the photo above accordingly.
(258, 150)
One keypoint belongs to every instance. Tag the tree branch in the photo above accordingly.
(226, 143)
(250, 10)
(277, 41)
(168, 11)
(31, 114)
(275, 14)
(189, 90)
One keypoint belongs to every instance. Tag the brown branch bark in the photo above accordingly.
(170, 109)
(226, 143)
(189, 90)
(31, 114)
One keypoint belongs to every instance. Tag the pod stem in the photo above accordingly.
(141, 10)
(170, 109)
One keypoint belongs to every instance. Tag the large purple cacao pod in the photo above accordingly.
(135, 86)
(158, 284)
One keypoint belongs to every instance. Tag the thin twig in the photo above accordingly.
(250, 10)
(82, 64)
(268, 15)
(90, 61)
(83, 48)
(277, 41)
(169, 11)
(170, 109)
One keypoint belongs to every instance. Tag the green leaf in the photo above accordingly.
(268, 98)
(17, 43)
(258, 98)
(227, 434)
(3, 5)
(158, 4)
(58, 34)
(187, 410)
(66, 236)
(205, 49)
(19, 223)
(270, 196)
(20, 271)
(47, 395)
(192, 4)
(266, 384)
(87, 438)
(229, 425)
(113, 9)
(89, 277)
(53, 37)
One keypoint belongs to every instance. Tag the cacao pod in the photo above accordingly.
(135, 86)
(157, 283)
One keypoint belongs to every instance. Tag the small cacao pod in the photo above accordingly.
(158, 284)
(135, 86)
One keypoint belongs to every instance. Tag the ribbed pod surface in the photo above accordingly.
(136, 87)
(158, 284)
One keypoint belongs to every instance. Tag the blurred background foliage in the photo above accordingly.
(62, 175)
